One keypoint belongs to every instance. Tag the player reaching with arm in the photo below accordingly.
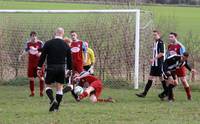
(33, 47)
(175, 47)
(171, 64)
(89, 65)
(93, 90)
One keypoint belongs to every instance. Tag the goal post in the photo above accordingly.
(136, 27)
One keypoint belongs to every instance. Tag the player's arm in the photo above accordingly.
(182, 49)
(24, 52)
(43, 55)
(84, 47)
(41, 46)
(69, 58)
(187, 65)
(161, 51)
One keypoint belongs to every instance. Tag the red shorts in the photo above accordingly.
(97, 85)
(181, 72)
(32, 70)
(78, 67)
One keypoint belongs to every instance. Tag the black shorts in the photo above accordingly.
(55, 74)
(170, 74)
(156, 71)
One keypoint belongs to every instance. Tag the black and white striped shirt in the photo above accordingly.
(158, 47)
(174, 62)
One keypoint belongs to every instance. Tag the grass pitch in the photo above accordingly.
(16, 107)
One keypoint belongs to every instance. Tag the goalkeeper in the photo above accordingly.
(89, 65)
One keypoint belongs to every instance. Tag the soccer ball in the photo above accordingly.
(78, 90)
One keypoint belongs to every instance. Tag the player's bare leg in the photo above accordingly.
(86, 92)
(41, 81)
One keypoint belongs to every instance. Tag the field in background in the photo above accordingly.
(186, 18)
(16, 107)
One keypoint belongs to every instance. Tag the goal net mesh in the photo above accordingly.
(111, 36)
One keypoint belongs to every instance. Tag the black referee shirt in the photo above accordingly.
(57, 52)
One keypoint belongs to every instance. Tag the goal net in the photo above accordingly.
(115, 36)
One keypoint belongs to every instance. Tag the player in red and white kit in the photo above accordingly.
(93, 89)
(175, 47)
(33, 47)
(77, 47)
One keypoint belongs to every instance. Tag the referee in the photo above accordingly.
(57, 53)
(156, 64)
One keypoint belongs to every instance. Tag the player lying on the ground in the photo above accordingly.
(93, 88)
(70, 83)
(170, 65)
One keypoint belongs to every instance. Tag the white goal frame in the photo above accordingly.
(137, 28)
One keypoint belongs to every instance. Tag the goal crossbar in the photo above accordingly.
(72, 11)
(136, 35)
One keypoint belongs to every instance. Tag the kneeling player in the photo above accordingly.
(94, 88)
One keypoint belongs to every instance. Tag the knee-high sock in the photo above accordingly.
(59, 96)
(49, 93)
(148, 86)
(164, 85)
(170, 91)
(165, 88)
(67, 89)
(103, 100)
(188, 92)
(31, 86)
(83, 95)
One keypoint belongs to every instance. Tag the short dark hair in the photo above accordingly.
(156, 31)
(186, 54)
(173, 33)
(33, 33)
(72, 31)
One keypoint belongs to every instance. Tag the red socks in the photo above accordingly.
(105, 100)
(83, 95)
(31, 86)
(188, 92)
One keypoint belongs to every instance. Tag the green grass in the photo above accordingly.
(16, 107)
(46, 5)
(186, 19)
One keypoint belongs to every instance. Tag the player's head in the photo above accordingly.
(59, 32)
(74, 35)
(33, 36)
(172, 37)
(185, 56)
(156, 34)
